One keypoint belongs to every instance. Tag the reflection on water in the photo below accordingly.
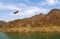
(3, 36)
(16, 35)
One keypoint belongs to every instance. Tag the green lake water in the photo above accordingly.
(16, 35)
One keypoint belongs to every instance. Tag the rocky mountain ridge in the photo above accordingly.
(50, 19)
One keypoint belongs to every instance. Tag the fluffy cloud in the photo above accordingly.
(12, 7)
(30, 11)
(7, 6)
(49, 2)
(41, 4)
(35, 9)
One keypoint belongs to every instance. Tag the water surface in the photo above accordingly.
(16, 35)
(3, 36)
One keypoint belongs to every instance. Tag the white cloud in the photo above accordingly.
(28, 1)
(32, 10)
(41, 4)
(7, 6)
(49, 2)
(12, 7)
(52, 2)
(22, 5)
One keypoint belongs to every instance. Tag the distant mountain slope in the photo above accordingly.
(2, 23)
(52, 18)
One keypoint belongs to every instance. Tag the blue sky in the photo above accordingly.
(27, 8)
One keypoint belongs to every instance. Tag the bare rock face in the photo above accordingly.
(52, 18)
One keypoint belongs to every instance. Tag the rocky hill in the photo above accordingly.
(2, 23)
(50, 19)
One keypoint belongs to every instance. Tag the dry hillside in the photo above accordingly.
(50, 19)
